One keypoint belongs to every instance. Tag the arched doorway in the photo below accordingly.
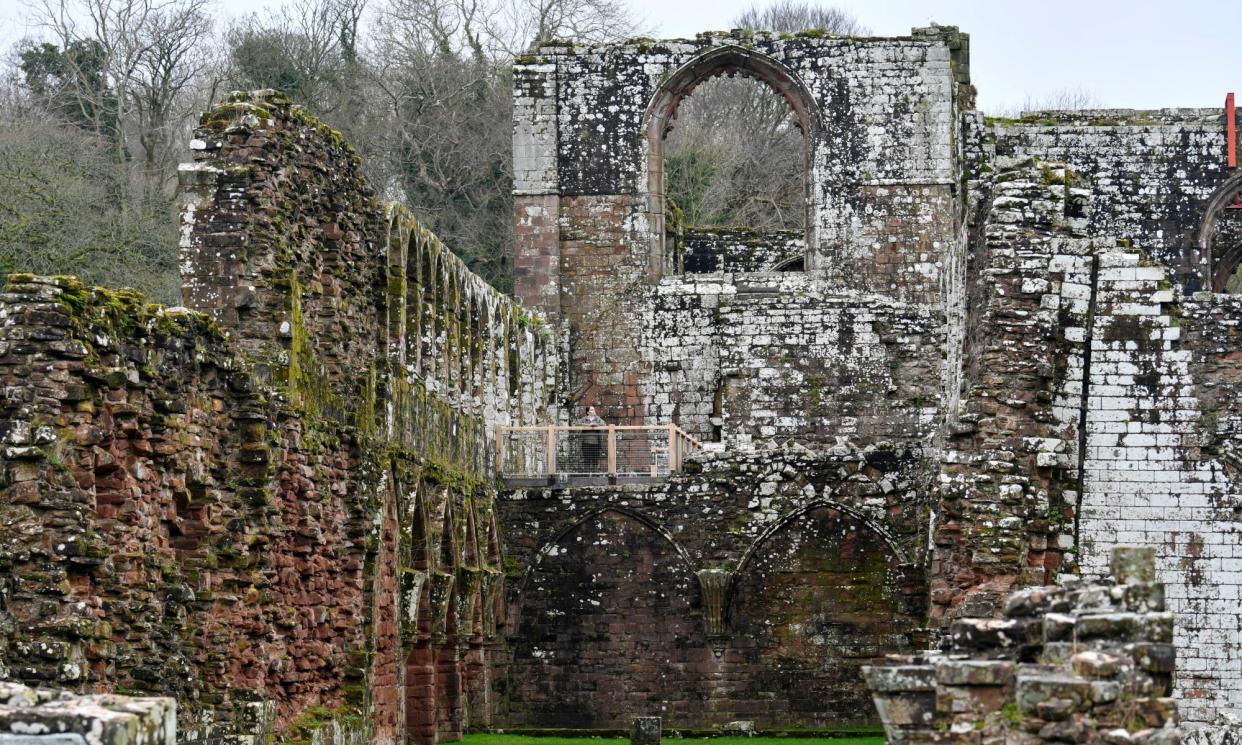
(661, 116)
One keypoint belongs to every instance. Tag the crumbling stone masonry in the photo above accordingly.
(46, 717)
(1000, 349)
(1021, 307)
(285, 496)
(1078, 662)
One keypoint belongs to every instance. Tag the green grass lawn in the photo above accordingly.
(490, 739)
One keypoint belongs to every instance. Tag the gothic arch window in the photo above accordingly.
(1220, 238)
(730, 249)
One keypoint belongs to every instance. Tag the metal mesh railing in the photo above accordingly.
(615, 451)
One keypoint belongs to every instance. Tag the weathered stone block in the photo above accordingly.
(973, 672)
(56, 718)
(1131, 565)
(645, 731)
(1032, 690)
(1093, 664)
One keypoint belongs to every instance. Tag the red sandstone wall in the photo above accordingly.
(1008, 491)
(175, 518)
(284, 505)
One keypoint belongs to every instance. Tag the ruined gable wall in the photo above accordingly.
(283, 507)
(886, 107)
(882, 175)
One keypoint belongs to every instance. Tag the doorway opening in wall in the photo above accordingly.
(735, 178)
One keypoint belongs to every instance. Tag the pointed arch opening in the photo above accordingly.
(677, 247)
(1220, 238)
(821, 593)
(579, 661)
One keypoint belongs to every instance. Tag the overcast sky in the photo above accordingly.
(1136, 53)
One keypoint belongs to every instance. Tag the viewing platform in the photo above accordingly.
(590, 455)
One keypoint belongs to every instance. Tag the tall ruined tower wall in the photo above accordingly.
(879, 123)
(1021, 303)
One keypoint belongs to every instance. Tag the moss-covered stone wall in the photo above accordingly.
(276, 507)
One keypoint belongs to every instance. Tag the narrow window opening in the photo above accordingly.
(735, 180)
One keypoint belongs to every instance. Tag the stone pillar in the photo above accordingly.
(536, 197)
(645, 731)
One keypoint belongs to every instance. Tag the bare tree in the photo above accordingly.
(525, 24)
(177, 41)
(423, 91)
(442, 69)
(59, 213)
(120, 73)
(790, 16)
(295, 48)
(736, 156)
(1063, 99)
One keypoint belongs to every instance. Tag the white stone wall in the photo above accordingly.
(792, 358)
(1150, 173)
(534, 129)
(1148, 482)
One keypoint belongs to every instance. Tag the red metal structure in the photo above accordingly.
(1231, 131)
(1231, 145)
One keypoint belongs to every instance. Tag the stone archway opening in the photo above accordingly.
(731, 117)
(606, 628)
(1220, 239)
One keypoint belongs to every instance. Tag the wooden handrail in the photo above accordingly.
(604, 427)
(679, 443)
(575, 427)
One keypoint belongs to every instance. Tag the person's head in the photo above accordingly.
(590, 411)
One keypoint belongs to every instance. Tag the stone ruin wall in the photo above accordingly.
(879, 120)
(755, 360)
(1080, 662)
(754, 588)
(277, 508)
(1151, 173)
(1149, 450)
(996, 367)
(1058, 300)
